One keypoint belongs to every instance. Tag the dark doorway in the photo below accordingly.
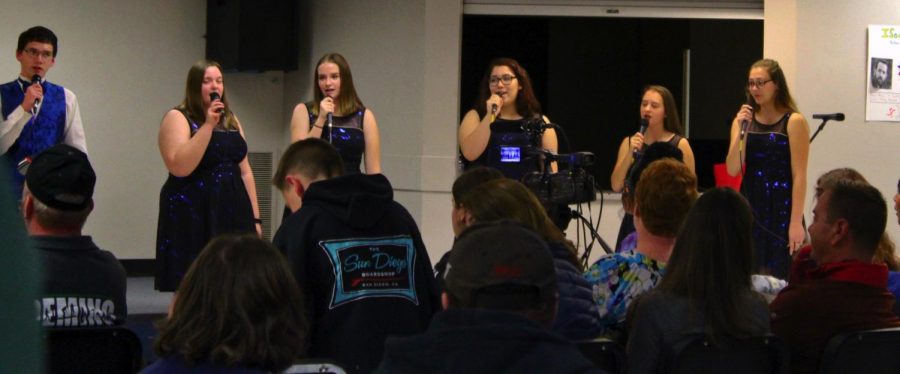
(588, 74)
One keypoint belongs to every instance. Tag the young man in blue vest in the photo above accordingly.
(36, 114)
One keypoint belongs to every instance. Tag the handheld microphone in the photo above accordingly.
(35, 79)
(213, 96)
(493, 112)
(830, 117)
(644, 124)
(329, 120)
(745, 124)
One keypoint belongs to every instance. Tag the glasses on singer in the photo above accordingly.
(506, 79)
(36, 53)
(757, 83)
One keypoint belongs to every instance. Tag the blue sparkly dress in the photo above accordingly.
(346, 136)
(767, 186)
(507, 150)
(212, 200)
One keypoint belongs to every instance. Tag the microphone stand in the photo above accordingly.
(821, 126)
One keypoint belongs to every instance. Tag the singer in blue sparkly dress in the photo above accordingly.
(353, 129)
(770, 147)
(663, 125)
(210, 188)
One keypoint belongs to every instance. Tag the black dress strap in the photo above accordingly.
(191, 123)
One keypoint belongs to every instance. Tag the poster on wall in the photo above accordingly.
(883, 74)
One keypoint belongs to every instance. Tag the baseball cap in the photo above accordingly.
(501, 265)
(62, 178)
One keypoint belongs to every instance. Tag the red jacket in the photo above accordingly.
(825, 300)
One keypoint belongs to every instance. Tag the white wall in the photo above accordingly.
(404, 56)
(828, 54)
(127, 61)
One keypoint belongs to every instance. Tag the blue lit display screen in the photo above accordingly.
(510, 154)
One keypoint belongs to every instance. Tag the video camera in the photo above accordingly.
(571, 184)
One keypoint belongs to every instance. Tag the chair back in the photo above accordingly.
(869, 352)
(93, 350)
(315, 366)
(604, 354)
(761, 354)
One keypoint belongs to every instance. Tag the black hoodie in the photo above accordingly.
(362, 266)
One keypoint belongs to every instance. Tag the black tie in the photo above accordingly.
(25, 84)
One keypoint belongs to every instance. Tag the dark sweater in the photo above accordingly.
(483, 341)
(660, 320)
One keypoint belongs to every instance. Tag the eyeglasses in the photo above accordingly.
(506, 79)
(36, 53)
(757, 83)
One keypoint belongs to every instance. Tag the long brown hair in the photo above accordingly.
(527, 104)
(505, 198)
(193, 102)
(712, 263)
(347, 101)
(672, 122)
(238, 305)
(783, 99)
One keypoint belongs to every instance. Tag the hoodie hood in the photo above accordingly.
(358, 200)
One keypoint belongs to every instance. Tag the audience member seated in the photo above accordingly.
(499, 303)
(357, 255)
(237, 310)
(884, 253)
(83, 284)
(665, 193)
(506, 199)
(706, 289)
(627, 238)
(463, 184)
(833, 286)
(770, 286)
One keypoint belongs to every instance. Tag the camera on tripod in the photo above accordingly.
(571, 184)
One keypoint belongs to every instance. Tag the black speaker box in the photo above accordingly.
(252, 35)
